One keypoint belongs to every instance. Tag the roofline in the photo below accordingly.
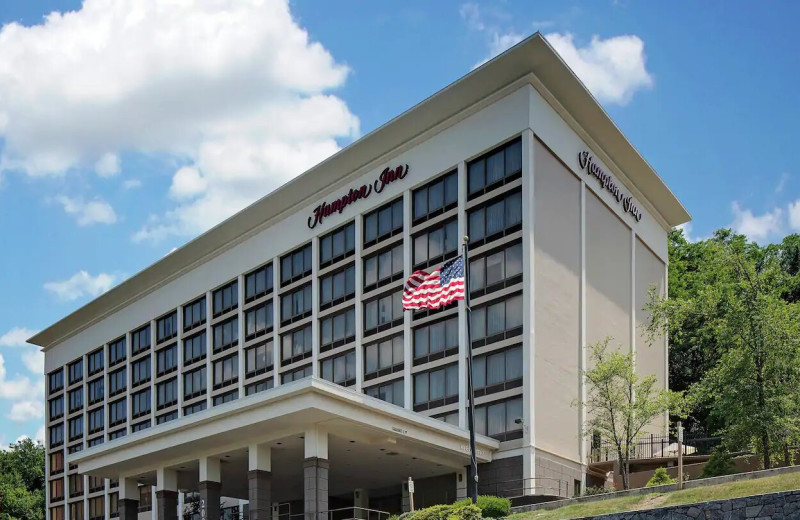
(532, 56)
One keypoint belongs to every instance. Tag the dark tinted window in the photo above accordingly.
(496, 270)
(95, 362)
(259, 359)
(436, 387)
(496, 321)
(337, 329)
(384, 357)
(337, 245)
(391, 392)
(339, 369)
(383, 267)
(383, 313)
(296, 305)
(75, 371)
(258, 320)
(226, 298)
(167, 327)
(436, 197)
(495, 219)
(296, 265)
(436, 245)
(296, 345)
(337, 287)
(226, 334)
(116, 351)
(501, 165)
(258, 283)
(194, 348)
(194, 314)
(167, 359)
(140, 339)
(383, 223)
(436, 340)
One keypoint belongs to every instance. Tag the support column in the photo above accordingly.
(209, 488)
(361, 503)
(166, 494)
(259, 479)
(128, 499)
(461, 483)
(315, 474)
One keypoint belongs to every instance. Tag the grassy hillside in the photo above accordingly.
(686, 496)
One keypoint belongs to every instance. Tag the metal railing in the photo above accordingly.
(526, 487)
(655, 447)
(344, 513)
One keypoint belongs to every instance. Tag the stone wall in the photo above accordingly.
(777, 506)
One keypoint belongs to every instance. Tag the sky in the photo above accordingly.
(128, 128)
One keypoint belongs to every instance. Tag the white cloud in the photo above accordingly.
(687, 230)
(108, 165)
(131, 184)
(794, 215)
(95, 211)
(81, 284)
(17, 337)
(499, 40)
(232, 88)
(187, 183)
(33, 359)
(756, 228)
(784, 178)
(20, 388)
(40, 434)
(23, 411)
(613, 69)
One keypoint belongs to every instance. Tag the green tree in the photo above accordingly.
(22, 481)
(660, 478)
(739, 318)
(620, 402)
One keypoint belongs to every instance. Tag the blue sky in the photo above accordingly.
(127, 128)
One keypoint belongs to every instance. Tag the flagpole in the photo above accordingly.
(472, 481)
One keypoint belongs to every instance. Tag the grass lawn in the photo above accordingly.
(687, 496)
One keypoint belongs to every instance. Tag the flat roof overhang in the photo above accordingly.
(532, 57)
(286, 410)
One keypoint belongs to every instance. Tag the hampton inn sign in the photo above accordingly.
(586, 162)
(327, 209)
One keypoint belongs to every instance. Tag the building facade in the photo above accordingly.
(267, 367)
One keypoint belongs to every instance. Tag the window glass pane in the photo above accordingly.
(370, 271)
(420, 342)
(327, 332)
(494, 218)
(398, 349)
(436, 389)
(495, 369)
(420, 203)
(420, 388)
(435, 196)
(496, 419)
(495, 271)
(478, 325)
(514, 312)
(479, 372)
(338, 244)
(514, 209)
(350, 237)
(385, 354)
(451, 236)
(514, 260)
(451, 332)
(514, 364)
(451, 189)
(476, 275)
(397, 215)
(495, 167)
(436, 243)
(325, 252)
(514, 158)
(476, 175)
(476, 229)
(513, 412)
(371, 359)
(495, 318)
(370, 227)
(397, 259)
(451, 375)
(384, 265)
(437, 336)
(420, 248)
(480, 420)
(384, 221)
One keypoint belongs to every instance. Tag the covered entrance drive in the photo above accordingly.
(307, 448)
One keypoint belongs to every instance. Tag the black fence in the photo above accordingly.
(525, 486)
(655, 447)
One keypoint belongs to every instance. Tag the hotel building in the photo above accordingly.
(267, 366)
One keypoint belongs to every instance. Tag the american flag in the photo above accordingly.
(437, 289)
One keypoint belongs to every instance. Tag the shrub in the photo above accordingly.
(660, 478)
(463, 510)
(720, 463)
(494, 507)
(598, 490)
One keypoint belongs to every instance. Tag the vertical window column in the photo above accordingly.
(240, 346)
(153, 372)
(463, 400)
(129, 378)
(210, 349)
(179, 372)
(407, 336)
(359, 309)
(314, 308)
(277, 347)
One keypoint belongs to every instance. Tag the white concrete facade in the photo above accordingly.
(586, 267)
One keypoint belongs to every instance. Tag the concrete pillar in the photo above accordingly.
(461, 484)
(405, 503)
(128, 500)
(166, 494)
(315, 474)
(259, 479)
(209, 487)
(361, 503)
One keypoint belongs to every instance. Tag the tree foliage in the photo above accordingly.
(733, 321)
(22, 481)
(660, 478)
(620, 402)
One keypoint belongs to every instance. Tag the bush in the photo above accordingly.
(494, 507)
(660, 478)
(463, 510)
(598, 490)
(720, 463)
